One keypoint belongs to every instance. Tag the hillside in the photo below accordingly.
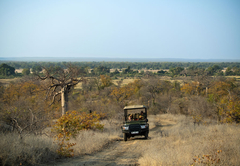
(173, 140)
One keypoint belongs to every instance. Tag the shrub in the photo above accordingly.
(69, 125)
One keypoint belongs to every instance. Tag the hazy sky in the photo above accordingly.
(192, 29)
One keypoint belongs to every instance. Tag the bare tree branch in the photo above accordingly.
(54, 96)
(64, 79)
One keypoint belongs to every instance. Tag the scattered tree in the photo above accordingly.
(26, 71)
(62, 81)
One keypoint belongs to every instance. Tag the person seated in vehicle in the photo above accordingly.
(142, 116)
(136, 116)
(130, 118)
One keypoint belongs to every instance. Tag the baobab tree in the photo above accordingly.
(62, 81)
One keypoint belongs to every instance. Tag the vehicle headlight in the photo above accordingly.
(143, 126)
(125, 127)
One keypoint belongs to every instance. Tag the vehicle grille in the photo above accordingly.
(134, 127)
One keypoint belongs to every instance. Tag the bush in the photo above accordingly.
(69, 125)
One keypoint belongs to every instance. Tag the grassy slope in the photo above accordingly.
(180, 144)
(175, 144)
(31, 149)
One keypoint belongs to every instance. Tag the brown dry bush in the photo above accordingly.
(162, 104)
(24, 107)
(24, 116)
(99, 101)
(198, 105)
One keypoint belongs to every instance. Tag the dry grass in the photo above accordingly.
(151, 70)
(237, 77)
(8, 81)
(125, 81)
(179, 144)
(18, 70)
(29, 150)
(92, 141)
(175, 144)
(78, 86)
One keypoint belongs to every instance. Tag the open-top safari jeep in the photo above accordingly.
(135, 121)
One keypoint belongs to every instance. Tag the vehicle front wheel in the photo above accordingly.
(125, 136)
(146, 135)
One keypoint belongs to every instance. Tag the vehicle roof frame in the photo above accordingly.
(132, 107)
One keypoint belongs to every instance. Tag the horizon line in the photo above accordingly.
(110, 59)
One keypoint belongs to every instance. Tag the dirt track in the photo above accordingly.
(120, 152)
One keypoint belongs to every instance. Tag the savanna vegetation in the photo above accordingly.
(43, 114)
(121, 65)
(126, 69)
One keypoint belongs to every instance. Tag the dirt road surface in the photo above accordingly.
(120, 152)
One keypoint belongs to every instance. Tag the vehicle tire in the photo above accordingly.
(146, 135)
(125, 136)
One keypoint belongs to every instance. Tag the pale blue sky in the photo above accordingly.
(192, 29)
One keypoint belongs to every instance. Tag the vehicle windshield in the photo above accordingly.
(136, 114)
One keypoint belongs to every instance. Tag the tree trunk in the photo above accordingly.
(64, 100)
(206, 91)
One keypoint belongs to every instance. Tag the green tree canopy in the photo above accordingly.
(36, 69)
(176, 71)
(6, 70)
(26, 71)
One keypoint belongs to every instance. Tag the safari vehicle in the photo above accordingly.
(135, 121)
